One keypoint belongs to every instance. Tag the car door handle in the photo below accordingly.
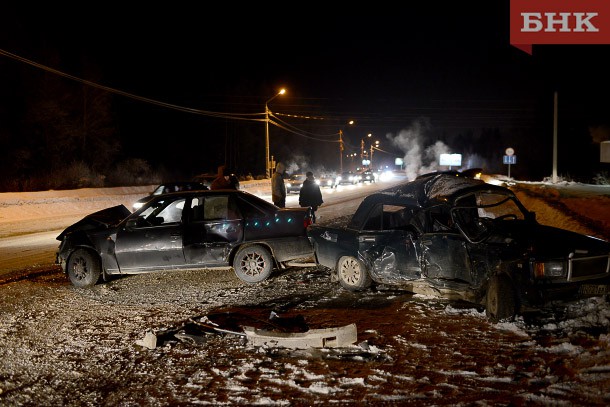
(368, 239)
(175, 235)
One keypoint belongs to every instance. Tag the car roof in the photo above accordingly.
(207, 192)
(379, 198)
(181, 183)
(432, 188)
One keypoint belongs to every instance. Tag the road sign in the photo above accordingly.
(509, 151)
(509, 159)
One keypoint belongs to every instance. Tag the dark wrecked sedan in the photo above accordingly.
(462, 239)
(185, 230)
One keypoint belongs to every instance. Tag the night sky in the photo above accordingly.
(421, 79)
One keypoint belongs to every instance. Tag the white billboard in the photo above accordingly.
(452, 160)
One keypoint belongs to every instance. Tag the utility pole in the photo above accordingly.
(267, 169)
(554, 140)
(341, 151)
(361, 149)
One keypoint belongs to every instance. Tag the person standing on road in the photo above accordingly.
(221, 181)
(278, 188)
(310, 195)
(233, 181)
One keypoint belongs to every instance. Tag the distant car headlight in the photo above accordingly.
(338, 179)
(288, 185)
(137, 205)
(546, 269)
(318, 181)
(386, 176)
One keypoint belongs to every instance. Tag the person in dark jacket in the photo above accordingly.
(234, 181)
(278, 187)
(310, 194)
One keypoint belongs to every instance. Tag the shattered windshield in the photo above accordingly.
(475, 213)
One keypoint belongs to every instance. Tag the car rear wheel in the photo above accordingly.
(500, 302)
(352, 274)
(84, 268)
(253, 264)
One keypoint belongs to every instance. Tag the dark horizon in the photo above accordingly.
(456, 86)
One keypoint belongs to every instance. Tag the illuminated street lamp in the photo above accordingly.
(267, 162)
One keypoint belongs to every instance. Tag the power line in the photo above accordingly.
(223, 115)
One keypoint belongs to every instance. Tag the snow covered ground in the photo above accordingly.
(67, 346)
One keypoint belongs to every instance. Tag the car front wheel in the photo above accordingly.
(500, 303)
(352, 274)
(84, 268)
(253, 264)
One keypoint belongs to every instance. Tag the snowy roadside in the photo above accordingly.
(68, 346)
(30, 221)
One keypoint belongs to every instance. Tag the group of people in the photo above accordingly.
(309, 195)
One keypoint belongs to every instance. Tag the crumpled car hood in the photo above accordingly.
(98, 220)
(551, 241)
(554, 239)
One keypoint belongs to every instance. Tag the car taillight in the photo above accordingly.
(307, 221)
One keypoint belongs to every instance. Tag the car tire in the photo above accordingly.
(84, 268)
(353, 274)
(500, 301)
(253, 264)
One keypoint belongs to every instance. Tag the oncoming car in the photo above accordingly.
(462, 239)
(185, 230)
(327, 181)
(367, 176)
(168, 187)
(294, 183)
(348, 178)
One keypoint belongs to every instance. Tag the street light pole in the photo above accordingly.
(341, 151)
(267, 166)
(376, 146)
(341, 146)
(267, 172)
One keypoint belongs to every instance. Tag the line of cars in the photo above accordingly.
(295, 182)
(329, 180)
(352, 178)
(445, 234)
